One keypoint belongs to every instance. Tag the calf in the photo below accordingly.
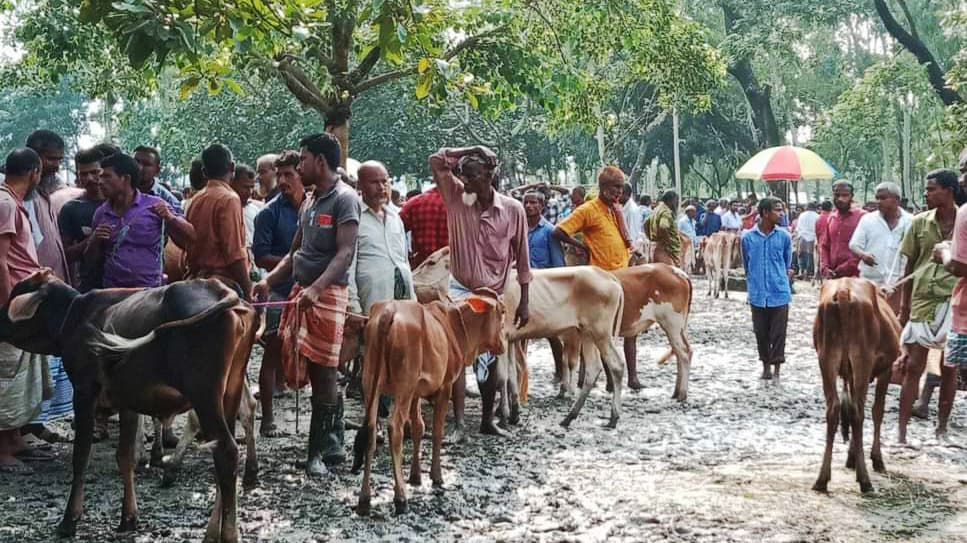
(414, 352)
(856, 336)
(582, 305)
(663, 294)
(643, 250)
(158, 352)
(723, 253)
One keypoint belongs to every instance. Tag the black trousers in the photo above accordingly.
(769, 325)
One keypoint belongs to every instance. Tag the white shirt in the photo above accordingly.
(873, 235)
(806, 226)
(687, 227)
(251, 209)
(633, 218)
(380, 250)
(731, 221)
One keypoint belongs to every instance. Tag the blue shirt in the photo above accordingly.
(545, 252)
(275, 228)
(712, 223)
(766, 259)
(157, 189)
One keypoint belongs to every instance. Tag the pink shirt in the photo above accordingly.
(484, 243)
(22, 258)
(836, 255)
(958, 252)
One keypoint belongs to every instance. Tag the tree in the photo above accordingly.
(24, 110)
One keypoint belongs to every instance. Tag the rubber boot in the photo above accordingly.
(315, 467)
(333, 434)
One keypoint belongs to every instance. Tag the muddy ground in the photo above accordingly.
(735, 463)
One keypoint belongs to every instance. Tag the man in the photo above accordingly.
(822, 228)
(925, 301)
(126, 246)
(488, 233)
(767, 257)
(149, 159)
(806, 228)
(21, 374)
(76, 218)
(632, 212)
(731, 217)
(662, 229)
(265, 166)
(554, 209)
(837, 259)
(380, 271)
(876, 241)
(686, 225)
(216, 213)
(954, 261)
(425, 218)
(275, 228)
(646, 209)
(601, 224)
(575, 200)
(244, 186)
(319, 261)
(544, 252)
(712, 221)
(43, 205)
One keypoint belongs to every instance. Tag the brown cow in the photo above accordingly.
(857, 338)
(663, 294)
(723, 253)
(414, 352)
(431, 278)
(159, 352)
(643, 250)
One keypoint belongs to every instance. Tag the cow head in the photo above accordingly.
(640, 251)
(483, 312)
(431, 277)
(34, 316)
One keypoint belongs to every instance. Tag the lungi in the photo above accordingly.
(314, 335)
(23, 386)
(932, 335)
(61, 402)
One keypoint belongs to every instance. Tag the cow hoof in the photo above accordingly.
(400, 507)
(820, 487)
(67, 527)
(566, 422)
(850, 462)
(168, 478)
(438, 484)
(866, 487)
(128, 524)
(250, 480)
(491, 429)
(878, 466)
(316, 468)
(415, 480)
(612, 423)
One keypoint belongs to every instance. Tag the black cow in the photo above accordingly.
(159, 352)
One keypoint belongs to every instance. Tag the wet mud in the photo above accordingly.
(735, 463)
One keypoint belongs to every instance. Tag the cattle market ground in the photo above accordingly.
(734, 464)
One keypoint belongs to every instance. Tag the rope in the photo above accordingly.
(323, 306)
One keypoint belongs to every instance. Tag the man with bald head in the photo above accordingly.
(265, 172)
(380, 271)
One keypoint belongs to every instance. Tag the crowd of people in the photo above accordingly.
(297, 228)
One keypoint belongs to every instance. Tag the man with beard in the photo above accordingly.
(266, 172)
(21, 373)
(488, 233)
(275, 228)
(837, 259)
(319, 261)
(76, 219)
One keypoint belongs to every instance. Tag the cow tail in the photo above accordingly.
(374, 364)
(843, 301)
(616, 324)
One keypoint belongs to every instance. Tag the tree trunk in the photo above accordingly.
(758, 96)
(913, 44)
(337, 124)
(639, 166)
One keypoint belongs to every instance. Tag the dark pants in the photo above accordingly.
(769, 325)
(805, 257)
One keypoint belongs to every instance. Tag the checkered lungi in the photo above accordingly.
(955, 354)
(315, 334)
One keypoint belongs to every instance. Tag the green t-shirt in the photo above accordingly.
(932, 285)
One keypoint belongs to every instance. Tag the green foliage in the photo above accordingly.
(24, 110)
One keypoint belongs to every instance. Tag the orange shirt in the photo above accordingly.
(216, 214)
(602, 234)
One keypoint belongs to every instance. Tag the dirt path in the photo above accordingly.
(734, 464)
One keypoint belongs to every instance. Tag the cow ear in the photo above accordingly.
(24, 307)
(478, 304)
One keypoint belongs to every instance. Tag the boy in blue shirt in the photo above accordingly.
(767, 257)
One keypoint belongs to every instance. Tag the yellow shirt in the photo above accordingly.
(599, 225)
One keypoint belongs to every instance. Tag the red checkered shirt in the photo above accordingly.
(425, 217)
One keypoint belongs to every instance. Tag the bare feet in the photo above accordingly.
(490, 429)
(766, 373)
(270, 430)
(634, 384)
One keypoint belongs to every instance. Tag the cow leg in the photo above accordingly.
(172, 464)
(85, 398)
(158, 447)
(222, 525)
(572, 357)
(592, 359)
(417, 427)
(126, 462)
(859, 401)
(674, 327)
(631, 360)
(879, 399)
(614, 368)
(396, 425)
(246, 413)
(366, 492)
(832, 420)
(439, 423)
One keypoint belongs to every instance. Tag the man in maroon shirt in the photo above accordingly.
(837, 259)
(425, 217)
